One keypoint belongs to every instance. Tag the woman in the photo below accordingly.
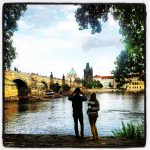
(93, 108)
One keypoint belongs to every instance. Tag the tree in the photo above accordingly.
(132, 23)
(98, 84)
(11, 13)
(131, 18)
(110, 85)
(92, 84)
(122, 68)
(15, 69)
(65, 87)
(55, 87)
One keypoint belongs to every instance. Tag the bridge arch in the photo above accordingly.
(45, 85)
(22, 87)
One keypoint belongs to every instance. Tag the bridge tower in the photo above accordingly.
(88, 73)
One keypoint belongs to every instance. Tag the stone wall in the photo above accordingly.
(10, 89)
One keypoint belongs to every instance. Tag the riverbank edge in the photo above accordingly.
(47, 98)
(68, 141)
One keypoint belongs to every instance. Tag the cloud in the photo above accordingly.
(105, 65)
(24, 25)
(108, 37)
(92, 43)
(112, 23)
(49, 14)
(36, 7)
(48, 40)
(42, 55)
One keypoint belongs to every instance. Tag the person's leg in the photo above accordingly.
(81, 125)
(92, 120)
(76, 125)
(95, 129)
(91, 124)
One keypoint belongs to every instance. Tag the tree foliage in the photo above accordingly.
(90, 15)
(110, 85)
(122, 69)
(55, 87)
(92, 84)
(65, 87)
(132, 22)
(131, 19)
(11, 13)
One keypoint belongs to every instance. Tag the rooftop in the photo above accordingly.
(103, 77)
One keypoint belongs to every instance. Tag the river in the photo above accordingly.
(55, 116)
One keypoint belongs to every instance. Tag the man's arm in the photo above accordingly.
(84, 98)
(71, 97)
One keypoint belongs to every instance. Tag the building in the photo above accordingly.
(106, 81)
(88, 73)
(72, 75)
(134, 85)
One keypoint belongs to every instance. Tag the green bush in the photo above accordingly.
(91, 84)
(65, 87)
(130, 131)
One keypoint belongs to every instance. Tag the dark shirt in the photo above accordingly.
(77, 102)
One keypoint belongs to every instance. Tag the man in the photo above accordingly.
(77, 97)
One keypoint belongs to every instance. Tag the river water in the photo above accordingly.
(55, 116)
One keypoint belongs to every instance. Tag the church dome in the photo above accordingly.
(72, 72)
(72, 75)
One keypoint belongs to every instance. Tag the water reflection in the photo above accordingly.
(55, 115)
(23, 105)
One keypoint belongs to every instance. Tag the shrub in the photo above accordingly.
(65, 87)
(130, 131)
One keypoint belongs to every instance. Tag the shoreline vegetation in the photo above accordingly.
(63, 95)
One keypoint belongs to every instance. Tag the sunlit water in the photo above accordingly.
(55, 116)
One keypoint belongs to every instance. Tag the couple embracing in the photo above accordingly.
(77, 98)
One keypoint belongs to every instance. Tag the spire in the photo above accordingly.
(87, 66)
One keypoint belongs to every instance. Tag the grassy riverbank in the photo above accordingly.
(70, 141)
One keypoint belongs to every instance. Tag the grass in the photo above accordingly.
(130, 131)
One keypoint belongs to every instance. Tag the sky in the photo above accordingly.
(48, 40)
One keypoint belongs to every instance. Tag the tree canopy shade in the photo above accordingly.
(11, 13)
(131, 18)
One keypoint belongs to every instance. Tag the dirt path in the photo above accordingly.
(70, 141)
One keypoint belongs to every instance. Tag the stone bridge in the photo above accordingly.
(18, 84)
